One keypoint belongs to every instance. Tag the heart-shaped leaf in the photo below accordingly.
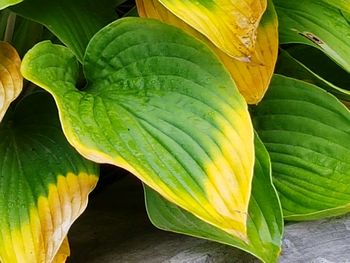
(252, 79)
(316, 23)
(159, 104)
(11, 81)
(230, 25)
(307, 133)
(73, 22)
(265, 221)
(44, 182)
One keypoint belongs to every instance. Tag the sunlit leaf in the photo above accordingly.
(11, 81)
(44, 182)
(265, 222)
(251, 79)
(307, 133)
(230, 25)
(159, 104)
(7, 3)
(318, 24)
(73, 22)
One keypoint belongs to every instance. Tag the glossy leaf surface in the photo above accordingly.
(252, 79)
(159, 104)
(265, 222)
(73, 22)
(316, 23)
(11, 81)
(307, 133)
(44, 183)
(230, 25)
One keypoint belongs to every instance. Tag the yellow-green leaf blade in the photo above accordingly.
(44, 183)
(160, 105)
(11, 81)
(251, 79)
(230, 25)
(265, 221)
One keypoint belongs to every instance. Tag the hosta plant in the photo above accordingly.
(232, 114)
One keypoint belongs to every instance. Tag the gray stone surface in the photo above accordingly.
(115, 228)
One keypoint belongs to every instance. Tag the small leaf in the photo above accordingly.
(11, 81)
(265, 222)
(307, 133)
(73, 22)
(252, 79)
(159, 104)
(7, 3)
(44, 183)
(318, 24)
(230, 25)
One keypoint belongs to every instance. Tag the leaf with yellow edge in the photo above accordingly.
(252, 79)
(230, 24)
(44, 183)
(159, 104)
(11, 81)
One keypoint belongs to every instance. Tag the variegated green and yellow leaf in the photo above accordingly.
(44, 183)
(252, 79)
(230, 25)
(159, 104)
(11, 81)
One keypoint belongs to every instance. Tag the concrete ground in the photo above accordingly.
(115, 228)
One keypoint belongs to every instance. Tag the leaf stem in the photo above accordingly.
(10, 27)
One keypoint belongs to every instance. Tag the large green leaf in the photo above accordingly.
(311, 65)
(73, 22)
(44, 182)
(159, 104)
(307, 133)
(265, 222)
(316, 23)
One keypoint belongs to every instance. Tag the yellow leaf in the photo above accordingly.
(63, 253)
(252, 79)
(230, 24)
(11, 81)
(42, 239)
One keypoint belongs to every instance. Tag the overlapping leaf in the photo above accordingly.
(252, 79)
(265, 222)
(311, 65)
(230, 25)
(159, 104)
(307, 133)
(73, 22)
(316, 23)
(11, 81)
(44, 183)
